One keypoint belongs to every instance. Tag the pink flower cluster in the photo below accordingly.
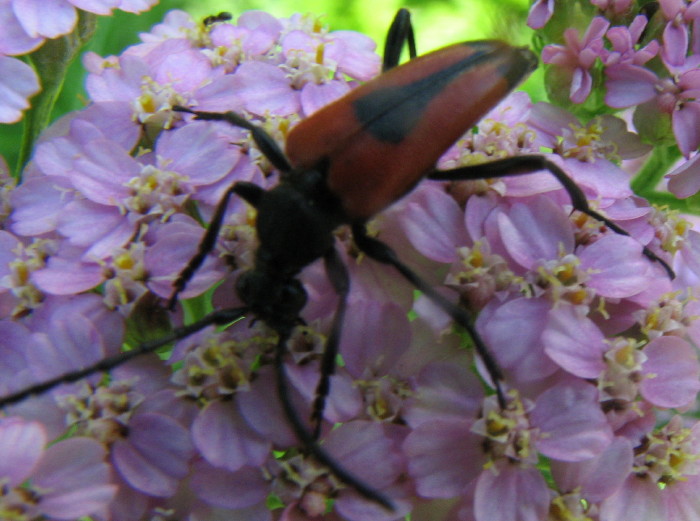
(596, 343)
(649, 62)
(26, 25)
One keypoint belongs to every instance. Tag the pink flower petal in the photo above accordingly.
(225, 440)
(629, 85)
(684, 181)
(264, 87)
(536, 232)
(432, 222)
(136, 6)
(374, 337)
(574, 342)
(443, 457)
(102, 171)
(314, 97)
(67, 276)
(364, 449)
(597, 477)
(445, 391)
(618, 268)
(686, 127)
(227, 489)
(671, 373)
(76, 478)
(195, 151)
(102, 228)
(154, 458)
(639, 499)
(48, 19)
(511, 493)
(18, 83)
(513, 331)
(572, 425)
(14, 40)
(21, 447)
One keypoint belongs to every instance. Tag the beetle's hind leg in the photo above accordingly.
(381, 252)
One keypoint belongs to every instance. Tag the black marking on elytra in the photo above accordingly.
(378, 112)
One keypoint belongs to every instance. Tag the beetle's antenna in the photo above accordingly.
(400, 33)
(381, 252)
(266, 144)
(221, 317)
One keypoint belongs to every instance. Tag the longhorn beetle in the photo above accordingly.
(341, 166)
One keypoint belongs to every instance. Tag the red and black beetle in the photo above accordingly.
(343, 165)
(352, 159)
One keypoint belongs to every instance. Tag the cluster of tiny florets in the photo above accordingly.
(595, 341)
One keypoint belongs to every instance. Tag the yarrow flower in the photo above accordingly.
(596, 342)
(642, 66)
(26, 26)
(66, 481)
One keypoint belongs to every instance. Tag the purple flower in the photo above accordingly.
(577, 57)
(624, 41)
(681, 14)
(361, 447)
(596, 478)
(540, 13)
(67, 480)
(14, 40)
(42, 20)
(668, 456)
(595, 342)
(684, 181)
(116, 198)
(217, 491)
(629, 85)
(143, 424)
(26, 25)
(17, 85)
(507, 440)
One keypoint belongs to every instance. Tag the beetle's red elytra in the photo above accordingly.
(380, 139)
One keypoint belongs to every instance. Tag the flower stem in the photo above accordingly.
(658, 164)
(51, 62)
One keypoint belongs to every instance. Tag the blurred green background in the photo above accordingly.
(437, 23)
